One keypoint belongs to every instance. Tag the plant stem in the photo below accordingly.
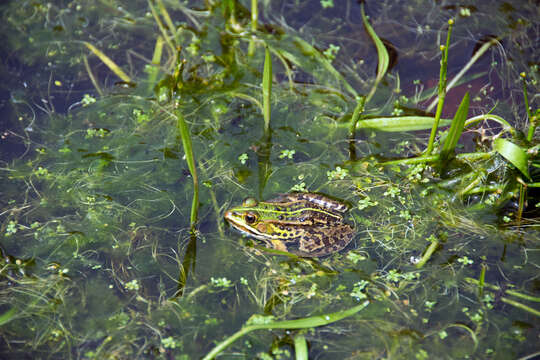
(442, 88)
(430, 250)
(532, 119)
(520, 306)
(467, 66)
(254, 20)
(481, 281)
(304, 323)
(300, 347)
(509, 292)
(190, 158)
(267, 89)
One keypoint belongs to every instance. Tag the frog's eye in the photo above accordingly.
(249, 202)
(250, 218)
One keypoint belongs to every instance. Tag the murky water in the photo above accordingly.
(99, 256)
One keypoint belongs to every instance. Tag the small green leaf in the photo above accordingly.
(401, 123)
(455, 129)
(513, 153)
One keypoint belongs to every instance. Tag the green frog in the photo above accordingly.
(305, 224)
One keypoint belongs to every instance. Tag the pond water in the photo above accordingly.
(116, 115)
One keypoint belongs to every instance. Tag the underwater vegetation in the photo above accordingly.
(130, 129)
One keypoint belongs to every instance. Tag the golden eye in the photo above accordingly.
(249, 202)
(250, 218)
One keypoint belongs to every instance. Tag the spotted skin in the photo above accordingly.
(305, 224)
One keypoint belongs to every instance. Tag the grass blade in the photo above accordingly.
(156, 61)
(455, 129)
(300, 347)
(267, 88)
(168, 20)
(161, 27)
(254, 21)
(513, 153)
(304, 323)
(520, 306)
(382, 54)
(108, 61)
(190, 158)
(401, 123)
(7, 316)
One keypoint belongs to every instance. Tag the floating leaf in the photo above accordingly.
(513, 153)
(401, 123)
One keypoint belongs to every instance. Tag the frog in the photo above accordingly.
(301, 223)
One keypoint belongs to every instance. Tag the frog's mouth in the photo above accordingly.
(257, 231)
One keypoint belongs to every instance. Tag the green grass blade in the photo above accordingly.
(156, 61)
(304, 323)
(300, 347)
(382, 54)
(401, 123)
(108, 61)
(254, 21)
(168, 20)
(190, 158)
(456, 128)
(520, 306)
(7, 316)
(513, 153)
(161, 27)
(267, 88)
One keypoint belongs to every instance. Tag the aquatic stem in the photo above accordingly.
(305, 323)
(481, 281)
(109, 62)
(254, 20)
(300, 347)
(382, 54)
(467, 66)
(427, 255)
(91, 76)
(532, 119)
(168, 20)
(520, 306)
(507, 291)
(161, 28)
(442, 88)
(156, 60)
(267, 89)
(190, 158)
(382, 67)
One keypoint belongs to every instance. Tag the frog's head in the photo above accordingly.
(249, 219)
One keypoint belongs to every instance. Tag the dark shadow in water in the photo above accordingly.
(189, 262)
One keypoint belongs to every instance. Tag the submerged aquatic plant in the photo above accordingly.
(113, 242)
